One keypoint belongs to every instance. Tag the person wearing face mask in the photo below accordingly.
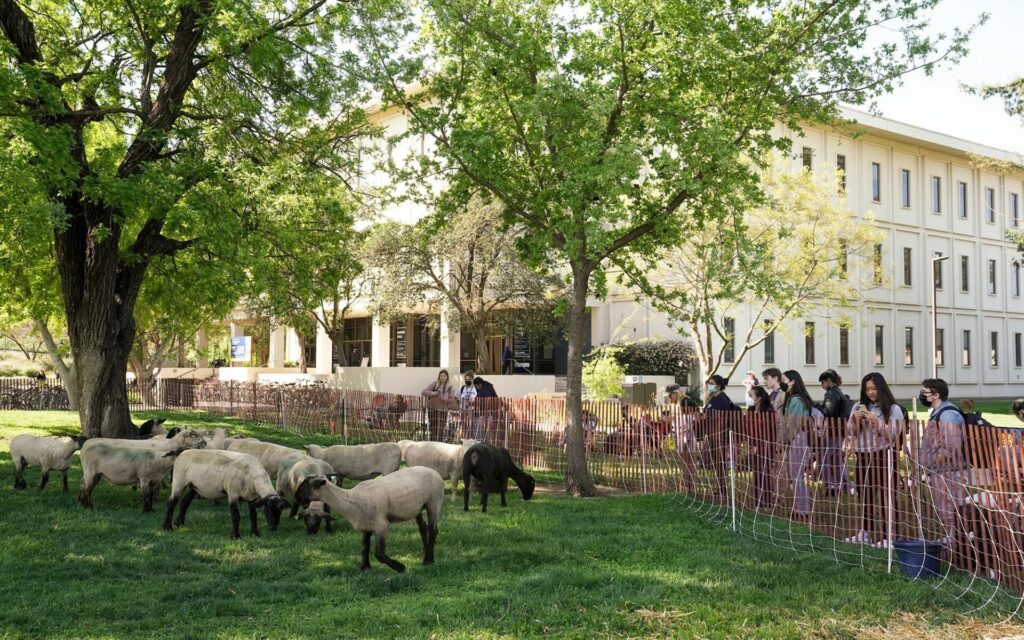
(830, 440)
(942, 455)
(717, 418)
(773, 384)
(792, 434)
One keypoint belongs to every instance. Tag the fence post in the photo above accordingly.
(508, 419)
(732, 481)
(343, 399)
(643, 458)
(280, 406)
(890, 507)
(231, 397)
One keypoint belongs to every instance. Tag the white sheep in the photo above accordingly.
(224, 474)
(359, 461)
(371, 506)
(442, 457)
(293, 471)
(51, 453)
(176, 438)
(269, 454)
(145, 467)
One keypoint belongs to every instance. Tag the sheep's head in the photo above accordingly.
(315, 451)
(308, 489)
(272, 506)
(313, 515)
(187, 439)
(80, 440)
(526, 485)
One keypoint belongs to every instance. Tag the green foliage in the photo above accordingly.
(603, 374)
(651, 357)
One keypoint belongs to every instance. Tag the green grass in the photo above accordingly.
(554, 567)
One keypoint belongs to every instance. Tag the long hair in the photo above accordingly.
(447, 380)
(762, 400)
(885, 397)
(797, 388)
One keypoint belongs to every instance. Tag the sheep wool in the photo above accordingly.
(121, 465)
(444, 458)
(293, 471)
(269, 454)
(361, 461)
(50, 453)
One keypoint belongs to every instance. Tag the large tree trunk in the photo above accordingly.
(577, 475)
(101, 367)
(66, 373)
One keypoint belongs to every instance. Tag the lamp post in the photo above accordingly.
(935, 320)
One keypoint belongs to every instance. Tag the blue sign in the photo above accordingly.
(241, 348)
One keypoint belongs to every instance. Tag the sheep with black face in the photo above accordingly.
(50, 453)
(232, 475)
(491, 467)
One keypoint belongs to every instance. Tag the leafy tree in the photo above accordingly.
(793, 252)
(459, 264)
(139, 121)
(607, 128)
(603, 374)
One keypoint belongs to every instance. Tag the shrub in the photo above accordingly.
(603, 374)
(651, 358)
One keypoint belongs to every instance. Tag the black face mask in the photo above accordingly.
(922, 399)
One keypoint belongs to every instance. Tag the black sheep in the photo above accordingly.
(491, 467)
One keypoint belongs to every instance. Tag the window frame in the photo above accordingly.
(905, 188)
(876, 182)
(879, 358)
(908, 346)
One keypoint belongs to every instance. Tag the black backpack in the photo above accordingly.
(848, 404)
(974, 418)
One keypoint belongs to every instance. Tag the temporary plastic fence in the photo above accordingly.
(847, 488)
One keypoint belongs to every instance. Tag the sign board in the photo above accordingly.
(633, 380)
(401, 345)
(241, 348)
(521, 349)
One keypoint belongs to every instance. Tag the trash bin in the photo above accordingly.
(918, 558)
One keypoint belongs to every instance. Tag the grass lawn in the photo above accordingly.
(621, 566)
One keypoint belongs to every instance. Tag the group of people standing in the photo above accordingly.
(443, 398)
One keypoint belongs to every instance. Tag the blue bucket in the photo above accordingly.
(918, 558)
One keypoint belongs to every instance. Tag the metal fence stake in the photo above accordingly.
(732, 482)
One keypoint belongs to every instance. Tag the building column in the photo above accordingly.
(450, 345)
(202, 343)
(380, 345)
(276, 357)
(323, 352)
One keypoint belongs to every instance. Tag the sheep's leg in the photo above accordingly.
(254, 530)
(327, 520)
(85, 490)
(146, 492)
(64, 479)
(483, 497)
(432, 530)
(185, 504)
(503, 488)
(236, 518)
(466, 484)
(19, 473)
(295, 509)
(455, 484)
(366, 551)
(424, 536)
(171, 503)
(44, 479)
(382, 556)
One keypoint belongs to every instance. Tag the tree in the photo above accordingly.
(142, 116)
(795, 251)
(459, 264)
(603, 126)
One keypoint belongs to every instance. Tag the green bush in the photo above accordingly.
(651, 357)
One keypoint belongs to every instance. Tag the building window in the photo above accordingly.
(876, 182)
(729, 328)
(806, 157)
(990, 205)
(905, 188)
(961, 207)
(940, 347)
(907, 268)
(356, 343)
(992, 277)
(965, 358)
(1015, 279)
(937, 271)
(993, 349)
(1017, 354)
(1014, 210)
(809, 343)
(879, 345)
(936, 194)
(908, 346)
(876, 264)
(844, 346)
(769, 343)
(844, 259)
(965, 274)
(841, 168)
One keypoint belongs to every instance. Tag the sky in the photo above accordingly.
(996, 56)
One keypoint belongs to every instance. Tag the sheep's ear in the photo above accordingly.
(81, 440)
(307, 447)
(333, 477)
(173, 432)
(159, 421)
(260, 502)
(174, 453)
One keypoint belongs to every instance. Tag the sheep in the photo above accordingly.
(442, 457)
(51, 453)
(361, 461)
(152, 427)
(269, 454)
(492, 467)
(125, 466)
(371, 506)
(293, 471)
(176, 438)
(315, 513)
(224, 474)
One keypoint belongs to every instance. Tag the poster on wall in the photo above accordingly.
(241, 348)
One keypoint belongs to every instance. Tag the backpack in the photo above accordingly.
(848, 405)
(974, 418)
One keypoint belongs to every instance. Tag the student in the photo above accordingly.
(467, 404)
(717, 424)
(874, 427)
(1018, 408)
(942, 454)
(487, 410)
(761, 420)
(792, 432)
(439, 395)
(829, 445)
(773, 383)
(749, 382)
(506, 360)
(716, 398)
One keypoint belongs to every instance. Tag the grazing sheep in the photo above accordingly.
(224, 474)
(315, 513)
(269, 454)
(360, 461)
(293, 471)
(491, 467)
(442, 457)
(152, 427)
(371, 506)
(176, 438)
(126, 466)
(51, 453)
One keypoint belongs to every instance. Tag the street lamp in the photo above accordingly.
(935, 321)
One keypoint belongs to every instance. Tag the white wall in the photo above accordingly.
(412, 380)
